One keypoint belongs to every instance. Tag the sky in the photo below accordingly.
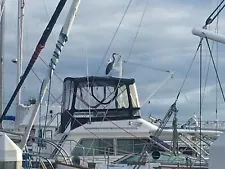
(164, 41)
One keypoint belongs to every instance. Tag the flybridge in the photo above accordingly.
(87, 99)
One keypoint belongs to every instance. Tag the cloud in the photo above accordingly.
(164, 41)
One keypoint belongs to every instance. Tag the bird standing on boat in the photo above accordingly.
(110, 64)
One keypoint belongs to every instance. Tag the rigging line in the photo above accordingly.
(122, 77)
(110, 44)
(206, 80)
(56, 99)
(150, 67)
(127, 131)
(209, 20)
(216, 31)
(200, 107)
(53, 71)
(41, 83)
(48, 101)
(46, 11)
(170, 76)
(3, 8)
(103, 139)
(36, 54)
(78, 98)
(207, 73)
(39, 132)
(139, 26)
(215, 69)
(56, 74)
(99, 137)
(88, 85)
(99, 128)
(217, 66)
(200, 42)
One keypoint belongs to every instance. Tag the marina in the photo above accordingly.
(99, 120)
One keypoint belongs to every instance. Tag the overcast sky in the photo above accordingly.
(164, 41)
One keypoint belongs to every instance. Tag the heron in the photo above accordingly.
(110, 64)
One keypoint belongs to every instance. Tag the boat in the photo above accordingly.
(100, 117)
(100, 114)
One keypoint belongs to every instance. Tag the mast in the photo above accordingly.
(19, 56)
(38, 49)
(63, 37)
(2, 45)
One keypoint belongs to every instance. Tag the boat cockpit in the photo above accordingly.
(97, 99)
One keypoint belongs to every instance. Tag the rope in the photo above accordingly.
(101, 138)
(206, 80)
(200, 107)
(3, 8)
(41, 82)
(189, 69)
(217, 30)
(39, 139)
(142, 17)
(214, 65)
(209, 20)
(150, 67)
(53, 72)
(50, 85)
(110, 44)
(88, 129)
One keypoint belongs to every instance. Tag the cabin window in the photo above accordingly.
(90, 147)
(68, 94)
(122, 98)
(130, 145)
(134, 96)
(100, 147)
(101, 97)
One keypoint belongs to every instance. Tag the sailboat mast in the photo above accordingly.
(2, 38)
(38, 49)
(19, 54)
(63, 37)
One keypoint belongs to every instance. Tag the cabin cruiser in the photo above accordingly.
(100, 117)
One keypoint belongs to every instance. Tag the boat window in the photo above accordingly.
(40, 134)
(130, 145)
(134, 96)
(98, 147)
(101, 97)
(90, 147)
(122, 98)
(68, 94)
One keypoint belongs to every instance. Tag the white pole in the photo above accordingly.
(203, 33)
(19, 56)
(2, 46)
(59, 46)
(120, 67)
